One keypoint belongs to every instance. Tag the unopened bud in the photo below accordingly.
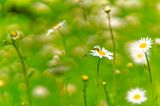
(104, 83)
(107, 9)
(117, 72)
(84, 77)
(13, 33)
(130, 65)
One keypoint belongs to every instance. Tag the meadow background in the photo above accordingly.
(57, 62)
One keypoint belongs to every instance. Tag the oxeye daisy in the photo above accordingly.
(139, 57)
(136, 96)
(144, 44)
(56, 27)
(101, 52)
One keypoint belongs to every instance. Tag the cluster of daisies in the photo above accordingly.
(138, 50)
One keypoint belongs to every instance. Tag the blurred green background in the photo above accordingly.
(58, 61)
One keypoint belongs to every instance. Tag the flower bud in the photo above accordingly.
(107, 9)
(84, 77)
(15, 35)
(104, 83)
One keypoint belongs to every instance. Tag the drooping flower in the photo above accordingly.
(101, 52)
(56, 27)
(136, 96)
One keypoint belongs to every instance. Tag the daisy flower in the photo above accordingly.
(101, 52)
(136, 96)
(16, 35)
(144, 44)
(56, 27)
(138, 57)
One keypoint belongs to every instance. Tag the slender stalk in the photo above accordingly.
(112, 37)
(106, 93)
(148, 68)
(2, 95)
(63, 41)
(84, 92)
(151, 80)
(83, 10)
(97, 79)
(66, 92)
(24, 70)
(114, 47)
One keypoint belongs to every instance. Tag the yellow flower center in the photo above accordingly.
(143, 45)
(137, 96)
(101, 53)
(13, 33)
(139, 55)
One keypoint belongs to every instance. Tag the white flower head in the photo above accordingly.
(138, 57)
(101, 52)
(144, 44)
(56, 27)
(157, 41)
(136, 96)
(40, 91)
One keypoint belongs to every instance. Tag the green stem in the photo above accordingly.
(84, 92)
(84, 11)
(63, 41)
(114, 47)
(151, 80)
(66, 92)
(97, 79)
(24, 70)
(149, 68)
(2, 95)
(112, 37)
(106, 93)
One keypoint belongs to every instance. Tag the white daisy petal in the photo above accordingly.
(50, 31)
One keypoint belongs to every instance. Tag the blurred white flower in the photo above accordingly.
(40, 92)
(117, 22)
(100, 19)
(138, 57)
(101, 52)
(157, 41)
(71, 88)
(40, 7)
(132, 19)
(136, 96)
(56, 27)
(129, 4)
